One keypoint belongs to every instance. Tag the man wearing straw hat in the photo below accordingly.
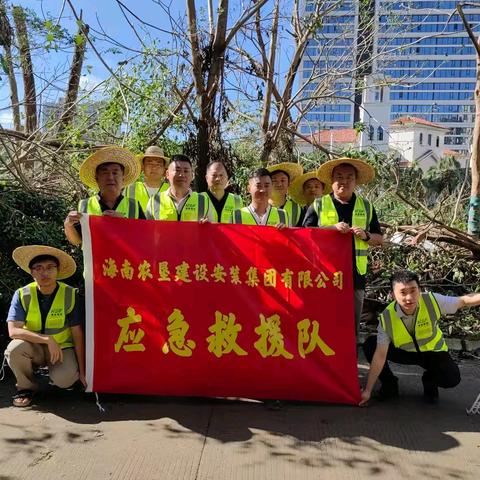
(282, 176)
(44, 323)
(347, 212)
(179, 202)
(153, 164)
(223, 203)
(305, 189)
(108, 170)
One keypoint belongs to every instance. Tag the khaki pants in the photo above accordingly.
(23, 356)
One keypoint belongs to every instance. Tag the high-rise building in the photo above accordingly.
(422, 54)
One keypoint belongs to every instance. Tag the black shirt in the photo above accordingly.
(75, 317)
(345, 214)
(104, 206)
(218, 204)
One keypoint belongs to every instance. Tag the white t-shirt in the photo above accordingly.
(447, 305)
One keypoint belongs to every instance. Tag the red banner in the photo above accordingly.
(219, 310)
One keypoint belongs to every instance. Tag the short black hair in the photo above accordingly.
(274, 172)
(260, 172)
(180, 157)
(403, 276)
(213, 162)
(43, 258)
(107, 164)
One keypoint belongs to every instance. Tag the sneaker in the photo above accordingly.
(388, 390)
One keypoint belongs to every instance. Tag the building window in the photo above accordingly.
(421, 139)
(371, 133)
(430, 139)
(380, 133)
(438, 142)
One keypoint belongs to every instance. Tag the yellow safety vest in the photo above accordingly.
(127, 206)
(293, 210)
(233, 202)
(63, 304)
(162, 207)
(428, 335)
(138, 191)
(243, 216)
(362, 216)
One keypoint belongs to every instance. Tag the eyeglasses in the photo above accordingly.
(42, 269)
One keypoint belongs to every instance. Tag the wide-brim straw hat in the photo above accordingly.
(24, 255)
(295, 190)
(365, 172)
(110, 155)
(154, 152)
(293, 170)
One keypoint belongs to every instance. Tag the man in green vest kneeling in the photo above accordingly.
(44, 323)
(108, 170)
(260, 212)
(408, 333)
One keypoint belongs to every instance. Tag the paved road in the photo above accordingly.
(149, 438)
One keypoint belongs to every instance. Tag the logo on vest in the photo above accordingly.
(56, 312)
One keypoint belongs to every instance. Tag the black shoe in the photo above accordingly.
(430, 394)
(273, 404)
(388, 390)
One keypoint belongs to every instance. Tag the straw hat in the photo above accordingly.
(24, 255)
(154, 152)
(292, 169)
(106, 155)
(295, 190)
(365, 172)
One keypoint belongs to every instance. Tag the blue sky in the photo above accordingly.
(99, 14)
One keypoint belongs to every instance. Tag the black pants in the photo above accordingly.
(440, 369)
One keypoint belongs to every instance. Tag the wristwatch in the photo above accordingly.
(367, 236)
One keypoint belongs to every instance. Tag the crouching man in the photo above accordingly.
(44, 323)
(409, 333)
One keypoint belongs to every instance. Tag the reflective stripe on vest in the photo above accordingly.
(233, 202)
(293, 211)
(138, 192)
(243, 216)
(62, 305)
(162, 207)
(428, 335)
(361, 217)
(127, 206)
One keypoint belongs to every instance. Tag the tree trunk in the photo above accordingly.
(30, 102)
(474, 207)
(74, 80)
(6, 35)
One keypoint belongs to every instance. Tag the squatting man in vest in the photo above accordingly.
(154, 164)
(283, 174)
(408, 333)
(347, 212)
(260, 212)
(108, 171)
(223, 203)
(45, 324)
(179, 202)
